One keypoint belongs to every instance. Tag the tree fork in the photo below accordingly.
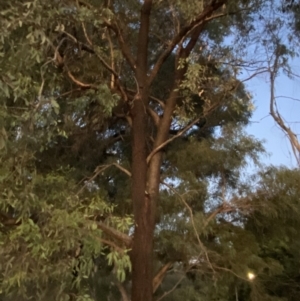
(146, 181)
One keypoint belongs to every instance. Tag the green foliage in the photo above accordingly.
(65, 144)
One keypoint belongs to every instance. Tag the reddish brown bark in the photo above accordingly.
(146, 178)
(142, 249)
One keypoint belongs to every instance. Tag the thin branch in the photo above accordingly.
(124, 47)
(114, 74)
(123, 291)
(230, 271)
(287, 97)
(79, 83)
(225, 207)
(162, 104)
(223, 187)
(157, 280)
(201, 19)
(68, 92)
(275, 113)
(109, 68)
(111, 244)
(202, 247)
(85, 34)
(171, 139)
(127, 240)
(159, 101)
(154, 116)
(172, 289)
(212, 216)
(100, 169)
(263, 70)
(91, 49)
(127, 172)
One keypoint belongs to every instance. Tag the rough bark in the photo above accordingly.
(146, 175)
(142, 249)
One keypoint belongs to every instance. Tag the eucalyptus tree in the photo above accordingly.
(113, 110)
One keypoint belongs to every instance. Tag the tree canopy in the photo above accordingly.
(123, 152)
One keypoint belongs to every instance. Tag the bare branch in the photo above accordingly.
(90, 48)
(127, 172)
(124, 47)
(159, 101)
(275, 113)
(225, 207)
(172, 289)
(232, 272)
(127, 240)
(212, 216)
(201, 19)
(109, 68)
(258, 71)
(85, 34)
(160, 276)
(154, 116)
(99, 170)
(114, 74)
(79, 83)
(171, 139)
(201, 245)
(123, 291)
(162, 104)
(287, 97)
(111, 244)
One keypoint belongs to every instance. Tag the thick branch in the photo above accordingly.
(127, 240)
(201, 19)
(195, 29)
(142, 45)
(160, 276)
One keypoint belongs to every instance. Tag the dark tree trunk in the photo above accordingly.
(142, 249)
(146, 177)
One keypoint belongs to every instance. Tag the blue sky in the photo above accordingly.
(264, 127)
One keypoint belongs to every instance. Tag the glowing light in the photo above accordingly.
(250, 276)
